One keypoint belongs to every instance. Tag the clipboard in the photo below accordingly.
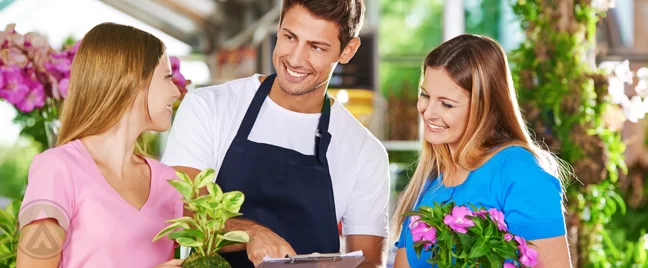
(315, 260)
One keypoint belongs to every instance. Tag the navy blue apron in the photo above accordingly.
(286, 191)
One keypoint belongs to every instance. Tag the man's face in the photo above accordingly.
(307, 51)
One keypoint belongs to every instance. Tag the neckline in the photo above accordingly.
(104, 183)
(272, 104)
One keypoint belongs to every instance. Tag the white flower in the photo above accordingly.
(634, 109)
(616, 89)
(642, 88)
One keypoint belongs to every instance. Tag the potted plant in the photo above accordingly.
(204, 232)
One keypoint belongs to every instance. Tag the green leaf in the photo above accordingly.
(235, 236)
(188, 242)
(13, 208)
(183, 187)
(215, 191)
(189, 233)
(480, 249)
(467, 241)
(183, 219)
(490, 229)
(183, 177)
(204, 177)
(170, 229)
(233, 200)
(494, 260)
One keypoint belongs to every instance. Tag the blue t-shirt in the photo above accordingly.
(512, 182)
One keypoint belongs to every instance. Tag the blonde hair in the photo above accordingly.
(112, 64)
(479, 65)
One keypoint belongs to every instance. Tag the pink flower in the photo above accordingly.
(63, 86)
(528, 256)
(35, 98)
(509, 265)
(481, 213)
(16, 57)
(421, 231)
(14, 90)
(498, 217)
(458, 221)
(508, 237)
(175, 64)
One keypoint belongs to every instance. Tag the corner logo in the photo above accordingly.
(42, 241)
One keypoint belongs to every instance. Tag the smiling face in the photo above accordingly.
(307, 51)
(162, 93)
(444, 106)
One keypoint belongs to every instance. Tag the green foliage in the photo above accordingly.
(565, 100)
(14, 166)
(408, 30)
(204, 232)
(9, 234)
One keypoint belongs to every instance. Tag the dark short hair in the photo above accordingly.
(347, 14)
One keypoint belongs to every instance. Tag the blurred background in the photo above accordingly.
(577, 66)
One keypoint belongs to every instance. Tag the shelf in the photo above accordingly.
(402, 145)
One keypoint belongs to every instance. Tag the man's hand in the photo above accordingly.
(265, 242)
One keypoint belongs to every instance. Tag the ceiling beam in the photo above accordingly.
(190, 39)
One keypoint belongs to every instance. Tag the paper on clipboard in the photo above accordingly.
(315, 260)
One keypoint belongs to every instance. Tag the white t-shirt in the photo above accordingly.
(208, 119)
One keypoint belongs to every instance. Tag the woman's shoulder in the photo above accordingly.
(166, 172)
(519, 165)
(59, 157)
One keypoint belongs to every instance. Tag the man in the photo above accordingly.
(302, 160)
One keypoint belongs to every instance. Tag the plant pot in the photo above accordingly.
(211, 261)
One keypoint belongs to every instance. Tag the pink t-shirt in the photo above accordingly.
(102, 229)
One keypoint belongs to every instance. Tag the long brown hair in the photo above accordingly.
(113, 63)
(479, 65)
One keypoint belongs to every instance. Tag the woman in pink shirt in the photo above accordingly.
(95, 200)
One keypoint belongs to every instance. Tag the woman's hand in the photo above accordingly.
(175, 263)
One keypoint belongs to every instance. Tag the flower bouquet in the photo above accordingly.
(457, 236)
(204, 232)
(34, 78)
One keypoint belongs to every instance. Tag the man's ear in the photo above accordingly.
(350, 50)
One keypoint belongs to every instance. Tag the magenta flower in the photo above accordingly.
(35, 98)
(509, 265)
(63, 87)
(508, 237)
(14, 90)
(481, 213)
(175, 63)
(458, 221)
(421, 231)
(528, 256)
(498, 217)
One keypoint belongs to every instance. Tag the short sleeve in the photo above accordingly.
(401, 243)
(531, 197)
(191, 141)
(49, 192)
(367, 211)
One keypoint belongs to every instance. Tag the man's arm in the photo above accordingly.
(373, 248)
(365, 221)
(263, 241)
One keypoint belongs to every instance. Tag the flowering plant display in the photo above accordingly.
(457, 236)
(34, 78)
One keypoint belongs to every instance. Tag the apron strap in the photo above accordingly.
(253, 110)
(323, 137)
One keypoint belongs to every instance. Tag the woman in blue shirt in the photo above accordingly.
(477, 150)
